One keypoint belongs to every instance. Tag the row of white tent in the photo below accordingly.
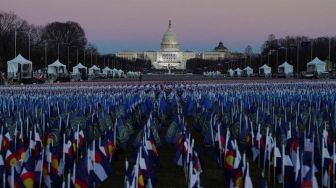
(23, 67)
(316, 65)
(247, 71)
(131, 74)
(212, 73)
(263, 70)
(94, 70)
(20, 66)
(57, 67)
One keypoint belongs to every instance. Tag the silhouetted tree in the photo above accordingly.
(58, 35)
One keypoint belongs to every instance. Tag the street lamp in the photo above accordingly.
(245, 63)
(297, 58)
(281, 48)
(329, 46)
(250, 59)
(69, 54)
(84, 55)
(311, 49)
(58, 51)
(77, 55)
(96, 58)
(297, 55)
(15, 33)
(277, 56)
(91, 59)
(45, 54)
(58, 46)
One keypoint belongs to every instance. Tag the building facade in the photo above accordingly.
(170, 56)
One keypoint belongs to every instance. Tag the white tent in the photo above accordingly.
(114, 72)
(120, 73)
(56, 68)
(285, 68)
(19, 65)
(94, 70)
(247, 71)
(133, 74)
(77, 69)
(107, 71)
(316, 65)
(230, 72)
(130, 74)
(237, 72)
(265, 70)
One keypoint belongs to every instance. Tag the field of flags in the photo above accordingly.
(190, 134)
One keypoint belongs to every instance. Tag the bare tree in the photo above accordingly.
(248, 50)
(249, 53)
(69, 33)
(9, 23)
(91, 48)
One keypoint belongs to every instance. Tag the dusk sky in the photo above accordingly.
(138, 25)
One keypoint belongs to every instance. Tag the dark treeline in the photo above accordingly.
(296, 50)
(300, 48)
(43, 45)
(131, 65)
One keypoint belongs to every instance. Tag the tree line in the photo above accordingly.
(296, 50)
(43, 45)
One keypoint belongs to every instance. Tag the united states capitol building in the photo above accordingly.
(170, 56)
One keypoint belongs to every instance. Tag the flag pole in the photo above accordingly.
(220, 145)
(77, 141)
(329, 49)
(12, 177)
(4, 180)
(322, 163)
(297, 58)
(313, 161)
(40, 184)
(15, 42)
(68, 181)
(311, 49)
(274, 162)
(259, 146)
(74, 173)
(269, 164)
(283, 166)
(333, 159)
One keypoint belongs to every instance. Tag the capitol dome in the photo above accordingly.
(169, 41)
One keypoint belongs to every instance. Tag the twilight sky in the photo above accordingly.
(115, 25)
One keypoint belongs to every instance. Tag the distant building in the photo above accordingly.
(218, 53)
(128, 55)
(170, 56)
